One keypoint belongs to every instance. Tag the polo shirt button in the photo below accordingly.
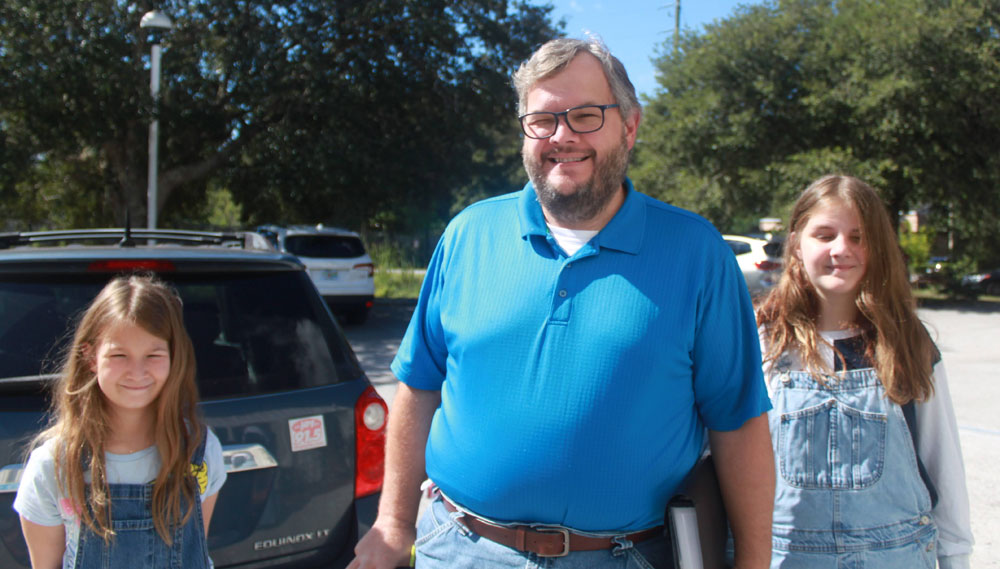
(563, 293)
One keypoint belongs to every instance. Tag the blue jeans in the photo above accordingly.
(443, 542)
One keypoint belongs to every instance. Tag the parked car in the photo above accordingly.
(984, 283)
(938, 264)
(759, 259)
(337, 262)
(302, 428)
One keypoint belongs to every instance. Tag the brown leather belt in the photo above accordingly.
(545, 542)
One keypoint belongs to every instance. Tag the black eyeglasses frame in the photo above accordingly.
(565, 117)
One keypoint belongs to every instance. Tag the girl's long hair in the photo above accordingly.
(897, 344)
(80, 414)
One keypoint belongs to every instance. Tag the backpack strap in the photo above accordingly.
(199, 453)
(910, 414)
(199, 467)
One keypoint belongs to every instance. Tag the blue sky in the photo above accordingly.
(636, 30)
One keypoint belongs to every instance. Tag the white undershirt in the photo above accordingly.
(571, 240)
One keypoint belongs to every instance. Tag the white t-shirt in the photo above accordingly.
(571, 240)
(39, 500)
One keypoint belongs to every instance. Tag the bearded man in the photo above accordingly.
(571, 345)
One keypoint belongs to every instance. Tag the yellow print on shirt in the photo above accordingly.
(200, 472)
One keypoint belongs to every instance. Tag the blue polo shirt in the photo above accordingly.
(575, 390)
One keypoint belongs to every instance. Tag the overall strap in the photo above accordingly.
(910, 414)
(199, 454)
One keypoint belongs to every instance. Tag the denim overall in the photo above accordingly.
(849, 494)
(136, 542)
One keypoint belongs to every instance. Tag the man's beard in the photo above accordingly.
(589, 197)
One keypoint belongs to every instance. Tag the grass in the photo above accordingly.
(396, 276)
(931, 297)
(404, 282)
(398, 282)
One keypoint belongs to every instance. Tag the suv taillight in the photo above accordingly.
(370, 414)
(768, 265)
(366, 266)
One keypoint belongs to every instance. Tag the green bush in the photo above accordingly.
(395, 274)
(916, 246)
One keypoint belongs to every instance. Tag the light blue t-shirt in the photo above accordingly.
(576, 390)
(39, 500)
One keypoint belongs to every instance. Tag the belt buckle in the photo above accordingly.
(556, 530)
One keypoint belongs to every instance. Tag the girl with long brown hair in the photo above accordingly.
(126, 473)
(866, 446)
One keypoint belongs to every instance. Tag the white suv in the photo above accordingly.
(336, 261)
(760, 261)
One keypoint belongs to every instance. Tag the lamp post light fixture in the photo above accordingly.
(155, 20)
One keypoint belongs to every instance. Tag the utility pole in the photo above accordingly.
(677, 24)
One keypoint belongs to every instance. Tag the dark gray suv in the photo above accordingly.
(301, 427)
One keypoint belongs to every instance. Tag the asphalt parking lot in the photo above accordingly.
(967, 335)
(969, 340)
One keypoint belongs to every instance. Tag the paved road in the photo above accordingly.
(969, 339)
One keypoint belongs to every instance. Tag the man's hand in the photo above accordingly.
(385, 546)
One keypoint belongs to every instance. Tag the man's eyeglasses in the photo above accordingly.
(581, 120)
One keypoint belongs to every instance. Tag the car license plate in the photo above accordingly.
(329, 274)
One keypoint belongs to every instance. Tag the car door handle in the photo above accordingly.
(242, 458)
(10, 476)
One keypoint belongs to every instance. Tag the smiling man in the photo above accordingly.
(571, 344)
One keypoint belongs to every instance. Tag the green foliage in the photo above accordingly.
(916, 246)
(223, 212)
(306, 111)
(390, 256)
(396, 273)
(398, 283)
(45, 197)
(901, 93)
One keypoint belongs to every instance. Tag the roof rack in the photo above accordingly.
(126, 237)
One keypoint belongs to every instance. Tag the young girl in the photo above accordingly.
(126, 475)
(846, 359)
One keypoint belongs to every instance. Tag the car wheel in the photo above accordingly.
(993, 289)
(357, 316)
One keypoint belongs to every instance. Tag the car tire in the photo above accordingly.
(356, 317)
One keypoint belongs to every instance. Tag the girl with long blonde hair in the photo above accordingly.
(870, 470)
(126, 473)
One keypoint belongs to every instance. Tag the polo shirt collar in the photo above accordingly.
(622, 233)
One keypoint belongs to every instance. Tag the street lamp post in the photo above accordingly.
(154, 20)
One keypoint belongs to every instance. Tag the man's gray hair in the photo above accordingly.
(556, 54)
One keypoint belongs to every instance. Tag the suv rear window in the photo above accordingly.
(324, 246)
(253, 333)
(739, 247)
(774, 248)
